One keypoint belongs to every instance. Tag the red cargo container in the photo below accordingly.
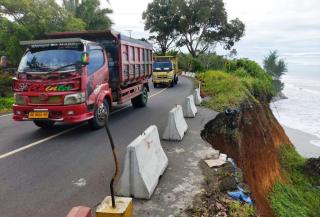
(125, 66)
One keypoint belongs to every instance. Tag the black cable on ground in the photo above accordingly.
(115, 162)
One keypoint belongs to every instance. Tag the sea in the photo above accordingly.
(301, 110)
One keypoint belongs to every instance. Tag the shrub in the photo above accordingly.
(298, 197)
(5, 85)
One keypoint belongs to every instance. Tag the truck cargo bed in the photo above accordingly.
(130, 60)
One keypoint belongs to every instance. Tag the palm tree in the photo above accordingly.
(71, 5)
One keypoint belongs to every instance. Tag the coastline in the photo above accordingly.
(302, 142)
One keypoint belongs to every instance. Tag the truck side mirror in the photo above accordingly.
(85, 58)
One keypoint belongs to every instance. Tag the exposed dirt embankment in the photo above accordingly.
(253, 138)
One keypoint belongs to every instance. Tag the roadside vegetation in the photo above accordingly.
(275, 67)
(300, 196)
(239, 81)
(31, 19)
(6, 95)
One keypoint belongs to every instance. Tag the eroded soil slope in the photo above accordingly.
(253, 138)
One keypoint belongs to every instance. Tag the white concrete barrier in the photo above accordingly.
(183, 73)
(189, 108)
(193, 75)
(197, 97)
(176, 126)
(145, 162)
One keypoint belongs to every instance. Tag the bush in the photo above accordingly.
(6, 103)
(227, 90)
(298, 197)
(5, 85)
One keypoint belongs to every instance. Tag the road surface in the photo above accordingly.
(45, 173)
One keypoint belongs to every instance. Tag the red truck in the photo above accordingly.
(76, 76)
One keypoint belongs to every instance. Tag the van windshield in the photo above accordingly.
(44, 60)
(162, 66)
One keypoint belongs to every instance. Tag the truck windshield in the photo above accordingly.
(162, 66)
(46, 60)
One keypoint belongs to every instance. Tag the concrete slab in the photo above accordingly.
(182, 179)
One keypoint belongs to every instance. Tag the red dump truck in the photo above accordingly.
(76, 76)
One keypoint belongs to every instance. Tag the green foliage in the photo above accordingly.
(299, 197)
(241, 80)
(161, 20)
(252, 76)
(276, 68)
(207, 61)
(227, 90)
(196, 24)
(95, 18)
(273, 65)
(238, 209)
(30, 19)
(204, 23)
(5, 85)
(6, 104)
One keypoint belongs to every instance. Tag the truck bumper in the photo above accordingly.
(69, 113)
(162, 81)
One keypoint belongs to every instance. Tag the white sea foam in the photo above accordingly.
(302, 108)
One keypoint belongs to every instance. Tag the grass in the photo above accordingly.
(299, 197)
(240, 81)
(238, 209)
(6, 104)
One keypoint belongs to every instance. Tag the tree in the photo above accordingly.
(161, 20)
(276, 68)
(31, 19)
(205, 22)
(94, 17)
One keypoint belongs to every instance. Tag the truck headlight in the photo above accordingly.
(19, 99)
(75, 98)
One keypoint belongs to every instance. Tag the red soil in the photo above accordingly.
(253, 138)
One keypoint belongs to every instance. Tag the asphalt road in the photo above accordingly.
(45, 173)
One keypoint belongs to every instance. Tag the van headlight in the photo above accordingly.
(75, 98)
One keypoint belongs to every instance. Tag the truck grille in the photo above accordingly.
(162, 76)
(52, 100)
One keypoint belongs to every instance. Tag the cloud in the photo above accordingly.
(290, 26)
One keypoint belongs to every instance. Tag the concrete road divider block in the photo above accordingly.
(145, 162)
(189, 108)
(176, 126)
(80, 211)
(197, 97)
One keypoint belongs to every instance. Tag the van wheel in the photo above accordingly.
(100, 117)
(176, 79)
(141, 100)
(44, 124)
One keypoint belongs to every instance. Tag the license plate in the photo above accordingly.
(38, 115)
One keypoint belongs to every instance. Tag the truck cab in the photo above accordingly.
(73, 80)
(165, 70)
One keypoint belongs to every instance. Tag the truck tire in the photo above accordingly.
(172, 83)
(176, 79)
(141, 100)
(100, 117)
(44, 124)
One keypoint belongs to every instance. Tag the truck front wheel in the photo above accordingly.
(141, 100)
(176, 79)
(44, 124)
(101, 116)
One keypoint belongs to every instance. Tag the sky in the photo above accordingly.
(290, 26)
